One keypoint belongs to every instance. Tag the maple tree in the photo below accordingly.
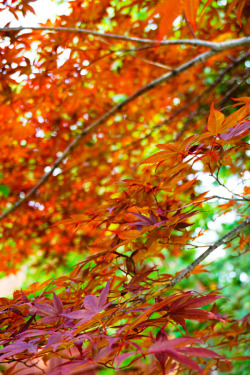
(84, 101)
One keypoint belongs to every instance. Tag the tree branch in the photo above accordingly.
(223, 185)
(195, 99)
(139, 297)
(234, 88)
(245, 41)
(228, 237)
(230, 199)
(162, 79)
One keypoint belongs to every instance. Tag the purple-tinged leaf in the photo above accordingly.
(33, 346)
(54, 340)
(161, 358)
(91, 303)
(67, 367)
(196, 314)
(14, 348)
(11, 353)
(161, 335)
(184, 360)
(19, 344)
(185, 216)
(122, 357)
(57, 303)
(46, 309)
(142, 217)
(180, 319)
(104, 295)
(26, 325)
(79, 343)
(79, 314)
(140, 223)
(112, 340)
(49, 319)
(24, 297)
(200, 352)
(160, 346)
(33, 333)
(153, 218)
(160, 223)
(235, 131)
(201, 301)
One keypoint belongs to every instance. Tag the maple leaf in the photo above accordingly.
(163, 349)
(18, 347)
(134, 284)
(190, 8)
(145, 221)
(171, 9)
(215, 120)
(67, 145)
(185, 307)
(93, 306)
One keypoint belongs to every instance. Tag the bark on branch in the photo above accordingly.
(245, 41)
(228, 237)
(162, 79)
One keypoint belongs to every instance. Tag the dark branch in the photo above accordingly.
(195, 99)
(225, 239)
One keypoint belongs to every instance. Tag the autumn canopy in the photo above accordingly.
(123, 124)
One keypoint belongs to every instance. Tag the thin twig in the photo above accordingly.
(234, 88)
(230, 199)
(225, 239)
(223, 185)
(189, 26)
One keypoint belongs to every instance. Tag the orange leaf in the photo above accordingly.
(130, 234)
(235, 117)
(190, 8)
(158, 157)
(199, 269)
(215, 120)
(239, 5)
(169, 11)
(244, 100)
